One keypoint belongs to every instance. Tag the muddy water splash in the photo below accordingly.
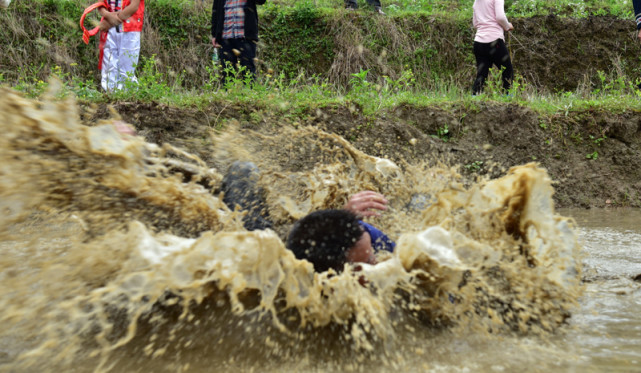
(112, 260)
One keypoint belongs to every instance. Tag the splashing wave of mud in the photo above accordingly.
(107, 252)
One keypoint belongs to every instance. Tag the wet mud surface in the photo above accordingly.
(591, 155)
(116, 290)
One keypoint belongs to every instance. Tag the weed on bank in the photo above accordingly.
(371, 97)
(463, 8)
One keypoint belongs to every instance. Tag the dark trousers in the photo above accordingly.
(488, 54)
(240, 188)
(354, 5)
(238, 52)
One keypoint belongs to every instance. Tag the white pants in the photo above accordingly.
(119, 59)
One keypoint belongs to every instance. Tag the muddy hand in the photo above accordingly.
(124, 128)
(366, 203)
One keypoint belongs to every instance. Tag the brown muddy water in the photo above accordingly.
(606, 331)
(114, 261)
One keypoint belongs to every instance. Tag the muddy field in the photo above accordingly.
(593, 156)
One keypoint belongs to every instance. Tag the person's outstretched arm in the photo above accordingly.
(366, 203)
(501, 18)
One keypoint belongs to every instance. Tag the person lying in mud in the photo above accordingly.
(331, 238)
(327, 238)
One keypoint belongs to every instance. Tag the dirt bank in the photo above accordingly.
(551, 53)
(593, 156)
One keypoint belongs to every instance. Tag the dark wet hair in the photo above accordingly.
(324, 237)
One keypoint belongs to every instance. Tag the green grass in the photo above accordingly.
(295, 97)
(450, 8)
(463, 8)
(298, 25)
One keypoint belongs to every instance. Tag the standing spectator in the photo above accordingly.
(234, 29)
(637, 16)
(121, 27)
(489, 43)
(353, 4)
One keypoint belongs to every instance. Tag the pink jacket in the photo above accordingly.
(489, 20)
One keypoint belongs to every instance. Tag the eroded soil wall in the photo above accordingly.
(593, 156)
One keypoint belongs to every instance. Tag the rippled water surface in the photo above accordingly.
(604, 334)
(607, 331)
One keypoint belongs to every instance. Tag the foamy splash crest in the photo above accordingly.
(522, 256)
(50, 158)
(153, 266)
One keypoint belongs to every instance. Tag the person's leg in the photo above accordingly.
(240, 188)
(483, 63)
(501, 58)
(376, 4)
(110, 58)
(351, 4)
(227, 56)
(129, 53)
(247, 56)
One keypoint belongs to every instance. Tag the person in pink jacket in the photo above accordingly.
(490, 23)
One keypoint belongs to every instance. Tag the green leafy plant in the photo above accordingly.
(442, 133)
(598, 140)
(359, 83)
(474, 166)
